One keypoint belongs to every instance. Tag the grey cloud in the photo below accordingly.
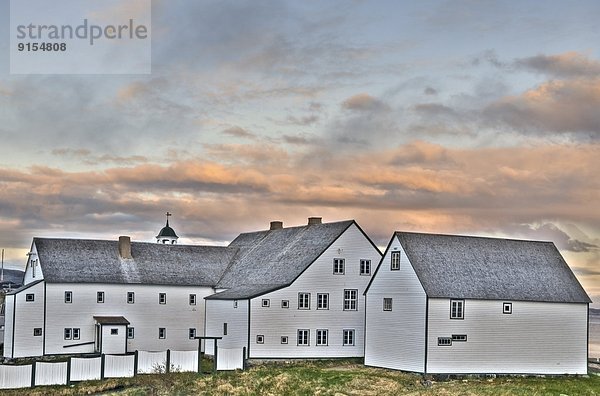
(239, 132)
(551, 232)
(569, 65)
(430, 91)
(304, 120)
(364, 102)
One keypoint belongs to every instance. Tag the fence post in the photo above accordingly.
(244, 359)
(69, 371)
(33, 373)
(135, 363)
(215, 363)
(199, 357)
(102, 360)
(168, 368)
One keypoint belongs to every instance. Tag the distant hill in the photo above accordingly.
(13, 276)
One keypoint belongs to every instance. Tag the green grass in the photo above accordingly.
(333, 378)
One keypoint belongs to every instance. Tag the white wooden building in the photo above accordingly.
(457, 304)
(295, 292)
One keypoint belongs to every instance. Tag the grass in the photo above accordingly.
(335, 378)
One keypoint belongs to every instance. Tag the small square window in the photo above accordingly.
(114, 331)
(192, 333)
(444, 341)
(130, 333)
(29, 297)
(76, 332)
(266, 302)
(224, 329)
(100, 297)
(130, 297)
(285, 303)
(284, 339)
(162, 333)
(507, 308)
(162, 298)
(37, 332)
(395, 261)
(338, 266)
(68, 333)
(365, 267)
(260, 339)
(387, 304)
(68, 297)
(192, 299)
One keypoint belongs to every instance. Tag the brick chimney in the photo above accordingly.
(314, 220)
(276, 225)
(125, 247)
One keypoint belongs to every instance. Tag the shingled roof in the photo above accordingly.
(452, 266)
(97, 261)
(270, 259)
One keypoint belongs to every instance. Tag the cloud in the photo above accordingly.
(566, 65)
(305, 120)
(430, 91)
(89, 158)
(238, 132)
(551, 232)
(364, 102)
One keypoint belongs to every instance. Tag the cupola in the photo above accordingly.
(167, 235)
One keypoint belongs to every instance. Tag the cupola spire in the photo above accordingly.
(167, 235)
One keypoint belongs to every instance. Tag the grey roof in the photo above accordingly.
(454, 266)
(243, 292)
(275, 258)
(111, 320)
(24, 287)
(94, 261)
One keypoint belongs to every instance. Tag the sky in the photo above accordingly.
(466, 117)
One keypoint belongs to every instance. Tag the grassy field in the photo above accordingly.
(334, 378)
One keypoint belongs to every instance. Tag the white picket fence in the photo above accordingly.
(111, 366)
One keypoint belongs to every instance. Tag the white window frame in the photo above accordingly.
(260, 339)
(444, 341)
(162, 298)
(114, 331)
(350, 300)
(265, 303)
(100, 297)
(507, 308)
(192, 333)
(130, 297)
(387, 303)
(162, 333)
(395, 261)
(339, 266)
(285, 304)
(30, 297)
(68, 297)
(130, 333)
(365, 267)
(303, 300)
(322, 337)
(349, 337)
(457, 309)
(76, 333)
(68, 333)
(192, 299)
(284, 339)
(323, 301)
(303, 337)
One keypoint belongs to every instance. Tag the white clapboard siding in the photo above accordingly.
(274, 322)
(12, 377)
(28, 315)
(145, 315)
(528, 341)
(184, 361)
(219, 312)
(119, 366)
(32, 272)
(396, 339)
(85, 369)
(230, 359)
(151, 362)
(8, 324)
(51, 373)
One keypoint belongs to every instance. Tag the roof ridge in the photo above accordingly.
(471, 236)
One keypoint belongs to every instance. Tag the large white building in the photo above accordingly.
(456, 304)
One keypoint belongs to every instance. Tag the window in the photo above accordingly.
(33, 267)
(29, 297)
(192, 299)
(100, 297)
(192, 333)
(130, 333)
(162, 298)
(76, 332)
(68, 333)
(350, 299)
(387, 304)
(444, 341)
(68, 297)
(130, 297)
(284, 339)
(235, 304)
(338, 266)
(285, 303)
(348, 336)
(507, 308)
(457, 309)
(37, 332)
(303, 337)
(260, 339)
(322, 301)
(322, 337)
(459, 337)
(224, 328)
(395, 264)
(114, 331)
(303, 300)
(162, 332)
(365, 267)
(266, 302)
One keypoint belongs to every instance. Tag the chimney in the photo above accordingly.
(276, 225)
(314, 220)
(125, 247)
